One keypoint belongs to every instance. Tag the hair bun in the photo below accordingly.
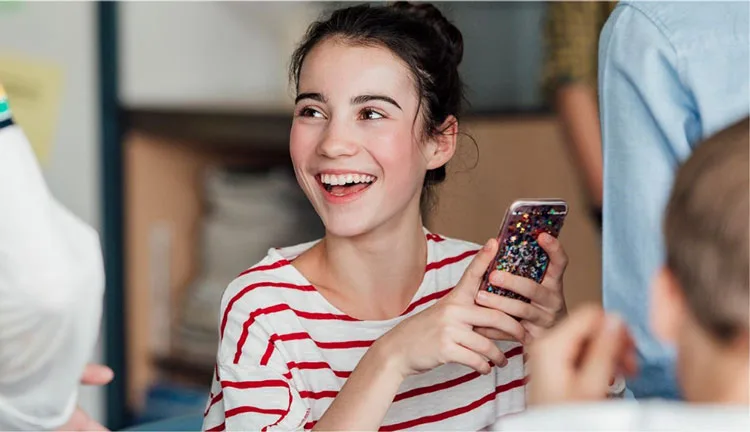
(430, 15)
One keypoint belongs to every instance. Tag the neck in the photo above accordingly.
(718, 373)
(730, 385)
(381, 269)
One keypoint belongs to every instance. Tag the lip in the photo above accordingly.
(335, 199)
(341, 172)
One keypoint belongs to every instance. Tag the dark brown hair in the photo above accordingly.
(706, 228)
(422, 38)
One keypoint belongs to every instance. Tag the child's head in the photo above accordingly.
(701, 295)
(378, 99)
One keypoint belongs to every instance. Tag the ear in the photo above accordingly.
(667, 312)
(442, 146)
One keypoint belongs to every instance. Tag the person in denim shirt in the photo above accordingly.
(670, 75)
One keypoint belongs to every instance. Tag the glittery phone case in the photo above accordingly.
(519, 253)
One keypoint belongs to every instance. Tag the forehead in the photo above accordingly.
(337, 67)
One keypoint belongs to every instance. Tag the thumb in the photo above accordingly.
(469, 284)
(600, 361)
(96, 374)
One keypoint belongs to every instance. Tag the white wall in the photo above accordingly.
(209, 54)
(65, 33)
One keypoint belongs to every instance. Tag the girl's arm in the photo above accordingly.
(368, 393)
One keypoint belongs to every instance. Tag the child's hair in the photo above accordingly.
(706, 229)
(422, 38)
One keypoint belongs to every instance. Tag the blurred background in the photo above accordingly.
(165, 125)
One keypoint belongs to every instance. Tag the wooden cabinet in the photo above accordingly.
(523, 157)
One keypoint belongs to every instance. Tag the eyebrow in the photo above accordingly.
(314, 96)
(367, 98)
(357, 100)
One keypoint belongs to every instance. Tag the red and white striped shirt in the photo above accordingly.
(285, 353)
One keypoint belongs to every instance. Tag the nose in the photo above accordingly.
(338, 141)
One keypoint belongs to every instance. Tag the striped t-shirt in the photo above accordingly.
(285, 352)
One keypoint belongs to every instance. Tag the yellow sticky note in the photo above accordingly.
(34, 90)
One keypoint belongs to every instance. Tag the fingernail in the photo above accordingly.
(482, 295)
(487, 245)
(497, 278)
(504, 362)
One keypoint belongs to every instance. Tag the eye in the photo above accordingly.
(310, 112)
(370, 114)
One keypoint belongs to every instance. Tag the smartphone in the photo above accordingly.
(518, 252)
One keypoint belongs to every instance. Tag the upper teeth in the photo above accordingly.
(342, 179)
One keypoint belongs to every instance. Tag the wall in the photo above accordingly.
(235, 54)
(520, 158)
(65, 33)
(208, 54)
(503, 52)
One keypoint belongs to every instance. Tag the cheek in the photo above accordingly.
(399, 156)
(302, 141)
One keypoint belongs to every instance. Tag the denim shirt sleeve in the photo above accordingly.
(648, 120)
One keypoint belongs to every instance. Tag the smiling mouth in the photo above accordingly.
(345, 184)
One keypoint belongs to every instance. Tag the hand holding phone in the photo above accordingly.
(519, 253)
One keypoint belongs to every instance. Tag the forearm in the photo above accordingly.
(367, 395)
(578, 110)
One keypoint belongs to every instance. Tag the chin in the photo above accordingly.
(348, 225)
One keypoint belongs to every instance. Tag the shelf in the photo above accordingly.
(223, 131)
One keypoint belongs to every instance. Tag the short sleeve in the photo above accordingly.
(571, 37)
(253, 387)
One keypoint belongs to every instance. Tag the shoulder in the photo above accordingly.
(451, 244)
(690, 25)
(271, 281)
(627, 19)
(449, 255)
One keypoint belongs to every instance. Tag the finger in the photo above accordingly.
(601, 359)
(469, 284)
(80, 421)
(519, 285)
(515, 308)
(467, 357)
(566, 340)
(533, 331)
(629, 363)
(478, 316)
(533, 291)
(94, 426)
(495, 334)
(96, 374)
(481, 345)
(558, 259)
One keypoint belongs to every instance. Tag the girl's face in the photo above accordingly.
(354, 141)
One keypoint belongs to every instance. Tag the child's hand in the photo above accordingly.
(547, 305)
(576, 360)
(444, 332)
(95, 375)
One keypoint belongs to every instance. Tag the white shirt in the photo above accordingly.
(51, 286)
(285, 353)
(652, 415)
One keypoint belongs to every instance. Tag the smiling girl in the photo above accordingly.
(378, 325)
